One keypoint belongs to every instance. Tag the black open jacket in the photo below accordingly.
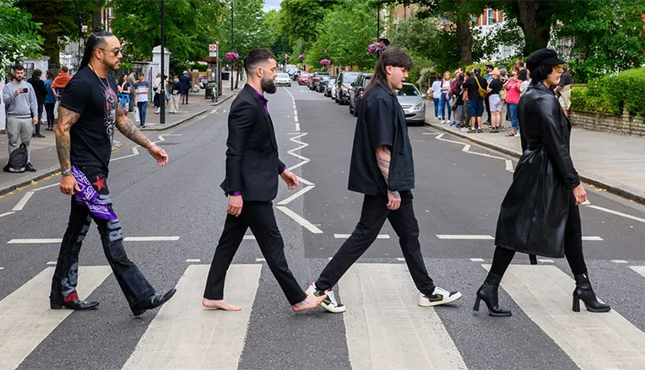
(533, 216)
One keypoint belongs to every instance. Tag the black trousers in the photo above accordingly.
(49, 108)
(260, 218)
(572, 246)
(487, 101)
(132, 282)
(184, 96)
(40, 116)
(373, 216)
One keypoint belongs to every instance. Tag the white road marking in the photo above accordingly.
(477, 259)
(466, 148)
(586, 202)
(21, 204)
(7, 214)
(34, 241)
(295, 118)
(543, 292)
(126, 239)
(1, 268)
(135, 152)
(47, 186)
(509, 165)
(299, 219)
(618, 213)
(27, 318)
(193, 260)
(400, 259)
(297, 126)
(465, 237)
(592, 238)
(296, 195)
(638, 269)
(305, 181)
(52, 263)
(185, 335)
(386, 329)
(545, 260)
(248, 237)
(345, 236)
(618, 261)
(260, 260)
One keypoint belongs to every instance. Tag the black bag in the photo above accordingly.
(17, 160)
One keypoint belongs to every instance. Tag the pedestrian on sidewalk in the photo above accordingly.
(382, 169)
(564, 90)
(58, 86)
(445, 97)
(460, 115)
(167, 92)
(132, 80)
(185, 87)
(87, 115)
(436, 95)
(512, 87)
(494, 101)
(476, 93)
(41, 91)
(540, 214)
(251, 183)
(488, 78)
(22, 112)
(156, 88)
(176, 93)
(50, 100)
(141, 88)
(124, 93)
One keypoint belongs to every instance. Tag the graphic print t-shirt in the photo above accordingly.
(91, 136)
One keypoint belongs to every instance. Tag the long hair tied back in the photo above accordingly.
(96, 40)
(390, 57)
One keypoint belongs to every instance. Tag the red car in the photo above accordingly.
(304, 79)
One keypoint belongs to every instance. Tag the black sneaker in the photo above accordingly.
(30, 168)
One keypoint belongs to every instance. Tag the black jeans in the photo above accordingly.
(49, 108)
(487, 101)
(572, 246)
(260, 218)
(40, 116)
(373, 217)
(132, 282)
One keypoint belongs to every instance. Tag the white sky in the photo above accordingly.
(271, 4)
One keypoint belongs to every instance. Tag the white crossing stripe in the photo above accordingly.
(185, 335)
(249, 237)
(592, 340)
(466, 237)
(193, 260)
(385, 327)
(346, 236)
(299, 219)
(7, 214)
(618, 261)
(21, 204)
(544, 260)
(618, 213)
(639, 269)
(52, 263)
(477, 259)
(25, 316)
(260, 260)
(295, 196)
(126, 239)
(592, 238)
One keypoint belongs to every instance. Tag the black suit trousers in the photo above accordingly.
(260, 218)
(373, 216)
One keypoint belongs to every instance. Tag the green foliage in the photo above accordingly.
(18, 34)
(302, 18)
(420, 72)
(612, 93)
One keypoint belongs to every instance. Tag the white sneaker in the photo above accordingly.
(438, 297)
(517, 135)
(443, 122)
(331, 304)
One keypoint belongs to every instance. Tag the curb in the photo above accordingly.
(167, 126)
(597, 181)
(48, 172)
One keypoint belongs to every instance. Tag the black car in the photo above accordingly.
(357, 91)
(322, 84)
(329, 85)
(343, 84)
(313, 82)
(296, 75)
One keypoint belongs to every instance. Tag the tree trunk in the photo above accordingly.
(465, 41)
(536, 28)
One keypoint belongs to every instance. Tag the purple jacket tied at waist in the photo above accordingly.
(90, 197)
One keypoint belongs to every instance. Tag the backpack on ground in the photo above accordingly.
(17, 160)
(482, 92)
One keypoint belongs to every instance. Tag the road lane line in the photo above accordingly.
(592, 340)
(618, 213)
(52, 263)
(465, 237)
(299, 219)
(385, 327)
(618, 261)
(345, 236)
(638, 269)
(7, 214)
(193, 260)
(592, 238)
(477, 259)
(47, 187)
(296, 195)
(509, 165)
(543, 260)
(465, 148)
(249, 237)
(184, 335)
(135, 152)
(126, 239)
(35, 241)
(21, 204)
(260, 260)
(26, 318)
(297, 126)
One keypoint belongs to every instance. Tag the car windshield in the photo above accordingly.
(408, 90)
(282, 75)
(349, 78)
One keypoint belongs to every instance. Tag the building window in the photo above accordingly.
(490, 17)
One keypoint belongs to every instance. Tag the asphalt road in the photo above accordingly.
(459, 188)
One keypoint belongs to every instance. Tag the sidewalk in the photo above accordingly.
(609, 161)
(45, 158)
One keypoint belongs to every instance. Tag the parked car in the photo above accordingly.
(329, 85)
(303, 78)
(282, 79)
(357, 91)
(296, 75)
(334, 91)
(290, 69)
(313, 83)
(343, 84)
(322, 83)
(412, 102)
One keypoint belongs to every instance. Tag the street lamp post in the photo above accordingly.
(233, 62)
(162, 97)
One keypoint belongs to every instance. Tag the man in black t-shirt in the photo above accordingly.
(383, 170)
(88, 113)
(475, 100)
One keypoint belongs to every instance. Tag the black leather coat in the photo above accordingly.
(534, 213)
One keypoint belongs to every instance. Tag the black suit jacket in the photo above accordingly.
(252, 162)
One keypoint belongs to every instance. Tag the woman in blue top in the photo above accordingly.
(50, 100)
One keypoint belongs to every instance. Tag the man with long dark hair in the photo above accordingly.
(383, 170)
(87, 115)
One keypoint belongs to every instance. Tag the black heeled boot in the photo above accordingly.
(584, 292)
(488, 293)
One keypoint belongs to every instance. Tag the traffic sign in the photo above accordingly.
(212, 47)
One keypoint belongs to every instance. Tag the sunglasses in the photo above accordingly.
(116, 51)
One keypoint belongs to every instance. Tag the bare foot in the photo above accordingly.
(219, 305)
(309, 303)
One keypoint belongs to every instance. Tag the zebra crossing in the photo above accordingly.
(383, 326)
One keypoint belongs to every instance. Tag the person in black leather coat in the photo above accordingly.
(540, 214)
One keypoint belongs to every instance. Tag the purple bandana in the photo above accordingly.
(90, 197)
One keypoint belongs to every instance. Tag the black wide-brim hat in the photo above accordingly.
(541, 57)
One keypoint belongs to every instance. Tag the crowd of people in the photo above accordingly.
(466, 95)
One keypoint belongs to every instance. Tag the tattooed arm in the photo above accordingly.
(130, 130)
(383, 159)
(66, 119)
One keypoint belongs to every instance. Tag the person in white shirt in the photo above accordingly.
(156, 87)
(436, 95)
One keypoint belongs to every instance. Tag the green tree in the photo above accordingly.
(18, 35)
(274, 37)
(303, 17)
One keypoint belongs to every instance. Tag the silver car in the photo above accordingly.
(283, 79)
(413, 104)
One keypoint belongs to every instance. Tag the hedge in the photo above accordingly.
(612, 93)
